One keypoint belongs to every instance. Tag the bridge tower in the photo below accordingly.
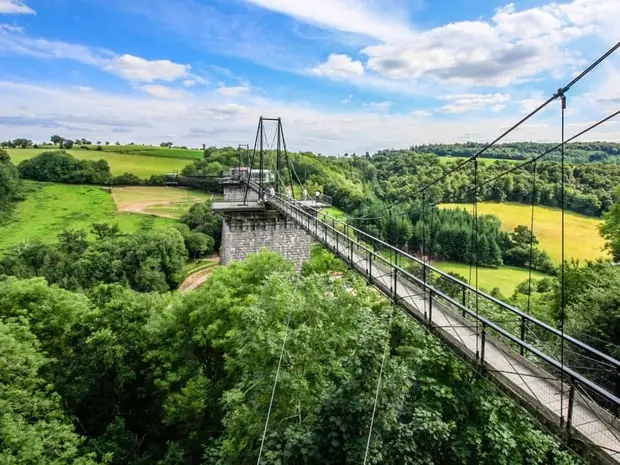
(251, 223)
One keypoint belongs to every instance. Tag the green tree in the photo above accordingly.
(33, 427)
(610, 228)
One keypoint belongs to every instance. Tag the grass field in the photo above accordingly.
(51, 208)
(142, 166)
(150, 151)
(583, 241)
(161, 201)
(506, 278)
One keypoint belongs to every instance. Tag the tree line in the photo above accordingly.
(401, 175)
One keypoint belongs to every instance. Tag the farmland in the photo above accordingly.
(505, 278)
(138, 163)
(50, 208)
(583, 241)
(160, 201)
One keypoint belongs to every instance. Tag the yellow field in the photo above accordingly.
(583, 241)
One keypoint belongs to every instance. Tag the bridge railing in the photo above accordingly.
(534, 339)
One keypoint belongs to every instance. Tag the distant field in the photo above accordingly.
(506, 278)
(483, 161)
(582, 238)
(167, 202)
(150, 151)
(142, 165)
(54, 207)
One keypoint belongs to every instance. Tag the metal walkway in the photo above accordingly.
(578, 408)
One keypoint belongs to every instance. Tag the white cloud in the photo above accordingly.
(379, 106)
(13, 40)
(189, 82)
(420, 113)
(15, 7)
(461, 103)
(347, 100)
(512, 47)
(138, 69)
(36, 111)
(163, 91)
(133, 68)
(85, 88)
(382, 20)
(235, 91)
(339, 66)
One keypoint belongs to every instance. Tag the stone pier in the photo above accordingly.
(250, 227)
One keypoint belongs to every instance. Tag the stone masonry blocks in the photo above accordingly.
(236, 192)
(244, 234)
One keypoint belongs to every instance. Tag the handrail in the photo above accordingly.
(506, 306)
(287, 205)
(551, 361)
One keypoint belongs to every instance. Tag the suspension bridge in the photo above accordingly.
(566, 383)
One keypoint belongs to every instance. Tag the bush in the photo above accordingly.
(61, 166)
(127, 179)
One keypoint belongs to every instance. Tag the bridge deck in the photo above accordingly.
(541, 391)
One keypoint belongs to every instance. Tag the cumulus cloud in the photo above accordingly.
(163, 91)
(461, 103)
(138, 69)
(339, 66)
(15, 7)
(512, 47)
(234, 91)
(31, 110)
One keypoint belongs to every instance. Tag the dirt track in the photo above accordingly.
(123, 204)
(197, 279)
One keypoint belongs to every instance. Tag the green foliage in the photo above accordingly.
(201, 219)
(610, 229)
(146, 261)
(62, 167)
(150, 379)
(198, 245)
(401, 174)
(33, 427)
(10, 187)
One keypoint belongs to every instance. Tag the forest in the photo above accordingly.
(104, 364)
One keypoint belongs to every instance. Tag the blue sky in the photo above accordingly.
(345, 75)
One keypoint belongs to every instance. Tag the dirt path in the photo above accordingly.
(142, 206)
(197, 279)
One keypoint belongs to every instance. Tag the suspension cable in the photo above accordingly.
(531, 263)
(275, 381)
(374, 408)
(563, 284)
(555, 96)
(533, 160)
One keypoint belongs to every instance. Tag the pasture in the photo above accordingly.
(50, 208)
(505, 278)
(153, 151)
(140, 165)
(583, 241)
(167, 202)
